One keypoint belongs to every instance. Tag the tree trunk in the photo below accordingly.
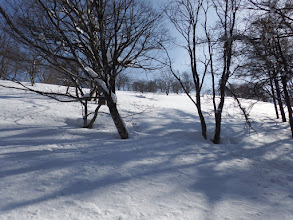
(218, 121)
(279, 98)
(284, 83)
(91, 124)
(217, 136)
(85, 114)
(287, 100)
(118, 121)
(274, 98)
(201, 117)
(203, 124)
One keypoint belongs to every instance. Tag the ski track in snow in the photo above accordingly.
(50, 168)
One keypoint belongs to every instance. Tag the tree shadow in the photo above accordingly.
(169, 145)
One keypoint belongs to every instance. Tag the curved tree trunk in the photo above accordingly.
(201, 116)
(91, 124)
(118, 121)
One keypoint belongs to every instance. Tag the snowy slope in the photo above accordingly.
(50, 168)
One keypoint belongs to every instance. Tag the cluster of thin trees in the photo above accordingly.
(229, 40)
(231, 46)
(269, 54)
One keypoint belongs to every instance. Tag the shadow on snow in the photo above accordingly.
(170, 144)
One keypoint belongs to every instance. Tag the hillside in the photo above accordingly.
(51, 168)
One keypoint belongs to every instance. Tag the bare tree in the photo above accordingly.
(226, 11)
(165, 82)
(207, 27)
(187, 81)
(12, 59)
(275, 25)
(121, 81)
(282, 10)
(176, 87)
(101, 37)
(185, 17)
(139, 86)
(262, 65)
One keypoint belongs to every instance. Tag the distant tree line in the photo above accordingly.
(163, 83)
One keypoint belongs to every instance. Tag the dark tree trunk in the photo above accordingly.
(201, 117)
(284, 81)
(287, 100)
(218, 121)
(85, 114)
(274, 97)
(121, 128)
(229, 24)
(203, 124)
(91, 124)
(217, 136)
(279, 98)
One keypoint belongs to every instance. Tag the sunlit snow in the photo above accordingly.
(51, 168)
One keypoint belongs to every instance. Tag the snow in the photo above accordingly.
(79, 30)
(99, 81)
(42, 36)
(51, 168)
(114, 97)
(109, 56)
(91, 72)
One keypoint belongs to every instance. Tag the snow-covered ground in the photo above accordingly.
(51, 168)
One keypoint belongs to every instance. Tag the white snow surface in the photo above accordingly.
(99, 81)
(51, 168)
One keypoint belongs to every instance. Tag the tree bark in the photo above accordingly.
(203, 124)
(217, 136)
(201, 116)
(91, 124)
(85, 124)
(118, 121)
(284, 81)
(218, 121)
(287, 100)
(274, 97)
(279, 98)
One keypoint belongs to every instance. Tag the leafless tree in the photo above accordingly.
(122, 81)
(176, 87)
(102, 37)
(260, 49)
(227, 13)
(208, 29)
(187, 81)
(274, 23)
(165, 82)
(12, 59)
(185, 17)
(282, 9)
(139, 86)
